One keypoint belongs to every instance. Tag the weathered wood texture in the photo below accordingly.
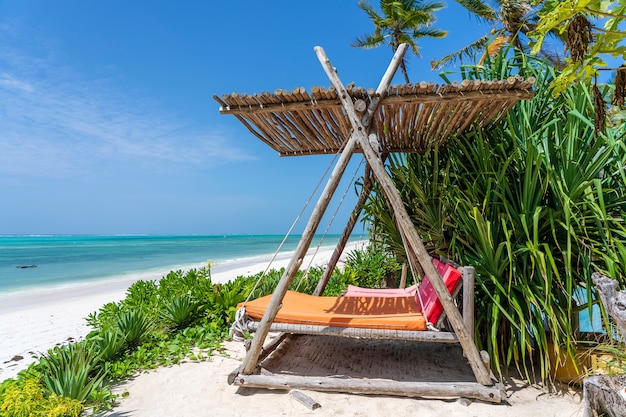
(410, 118)
(373, 386)
(358, 333)
(305, 400)
(614, 301)
(604, 395)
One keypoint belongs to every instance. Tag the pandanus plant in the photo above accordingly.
(534, 202)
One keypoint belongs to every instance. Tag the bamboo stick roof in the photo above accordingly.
(410, 118)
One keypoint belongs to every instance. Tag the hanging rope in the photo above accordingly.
(306, 204)
(319, 245)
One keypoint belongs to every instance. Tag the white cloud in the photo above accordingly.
(58, 122)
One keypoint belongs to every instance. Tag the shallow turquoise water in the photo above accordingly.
(66, 259)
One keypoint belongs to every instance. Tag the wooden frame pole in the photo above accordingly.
(414, 244)
(250, 362)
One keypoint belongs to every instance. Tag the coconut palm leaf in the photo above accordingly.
(480, 10)
(400, 21)
(468, 51)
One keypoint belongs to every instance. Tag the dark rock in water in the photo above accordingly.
(26, 266)
(15, 359)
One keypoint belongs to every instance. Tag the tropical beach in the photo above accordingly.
(480, 158)
(35, 322)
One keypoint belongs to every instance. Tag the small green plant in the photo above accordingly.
(109, 343)
(224, 299)
(371, 268)
(70, 371)
(180, 311)
(133, 325)
(27, 398)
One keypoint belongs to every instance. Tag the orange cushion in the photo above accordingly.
(396, 313)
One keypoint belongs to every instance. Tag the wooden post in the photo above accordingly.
(405, 268)
(251, 360)
(468, 299)
(414, 244)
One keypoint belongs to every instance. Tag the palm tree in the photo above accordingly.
(509, 19)
(402, 21)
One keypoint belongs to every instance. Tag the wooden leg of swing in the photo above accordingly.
(403, 276)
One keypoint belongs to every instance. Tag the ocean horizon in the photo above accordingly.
(37, 262)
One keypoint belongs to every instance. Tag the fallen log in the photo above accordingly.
(603, 393)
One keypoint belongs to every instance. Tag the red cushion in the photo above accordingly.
(432, 307)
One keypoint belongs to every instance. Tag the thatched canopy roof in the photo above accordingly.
(411, 117)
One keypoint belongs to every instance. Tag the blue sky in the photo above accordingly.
(108, 125)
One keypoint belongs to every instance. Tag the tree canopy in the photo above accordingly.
(589, 43)
(401, 21)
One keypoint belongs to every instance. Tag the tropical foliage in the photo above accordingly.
(183, 316)
(401, 21)
(600, 36)
(511, 21)
(534, 203)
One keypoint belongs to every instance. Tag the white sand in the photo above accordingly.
(33, 322)
(200, 389)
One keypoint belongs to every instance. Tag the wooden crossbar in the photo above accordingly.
(358, 333)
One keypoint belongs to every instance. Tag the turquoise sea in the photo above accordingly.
(36, 262)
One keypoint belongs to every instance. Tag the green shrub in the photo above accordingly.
(224, 299)
(109, 343)
(29, 399)
(179, 311)
(71, 371)
(371, 268)
(133, 326)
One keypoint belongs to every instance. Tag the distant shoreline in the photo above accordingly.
(31, 322)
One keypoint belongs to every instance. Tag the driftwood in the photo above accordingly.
(614, 301)
(603, 393)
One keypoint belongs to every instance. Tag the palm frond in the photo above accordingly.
(480, 10)
(468, 51)
(369, 10)
(369, 41)
(429, 32)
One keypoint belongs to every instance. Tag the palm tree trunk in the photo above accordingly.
(403, 69)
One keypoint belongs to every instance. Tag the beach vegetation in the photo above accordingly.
(535, 202)
(72, 371)
(179, 311)
(133, 325)
(28, 398)
(109, 343)
(223, 299)
(371, 267)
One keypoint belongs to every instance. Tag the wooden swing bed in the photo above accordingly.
(348, 120)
